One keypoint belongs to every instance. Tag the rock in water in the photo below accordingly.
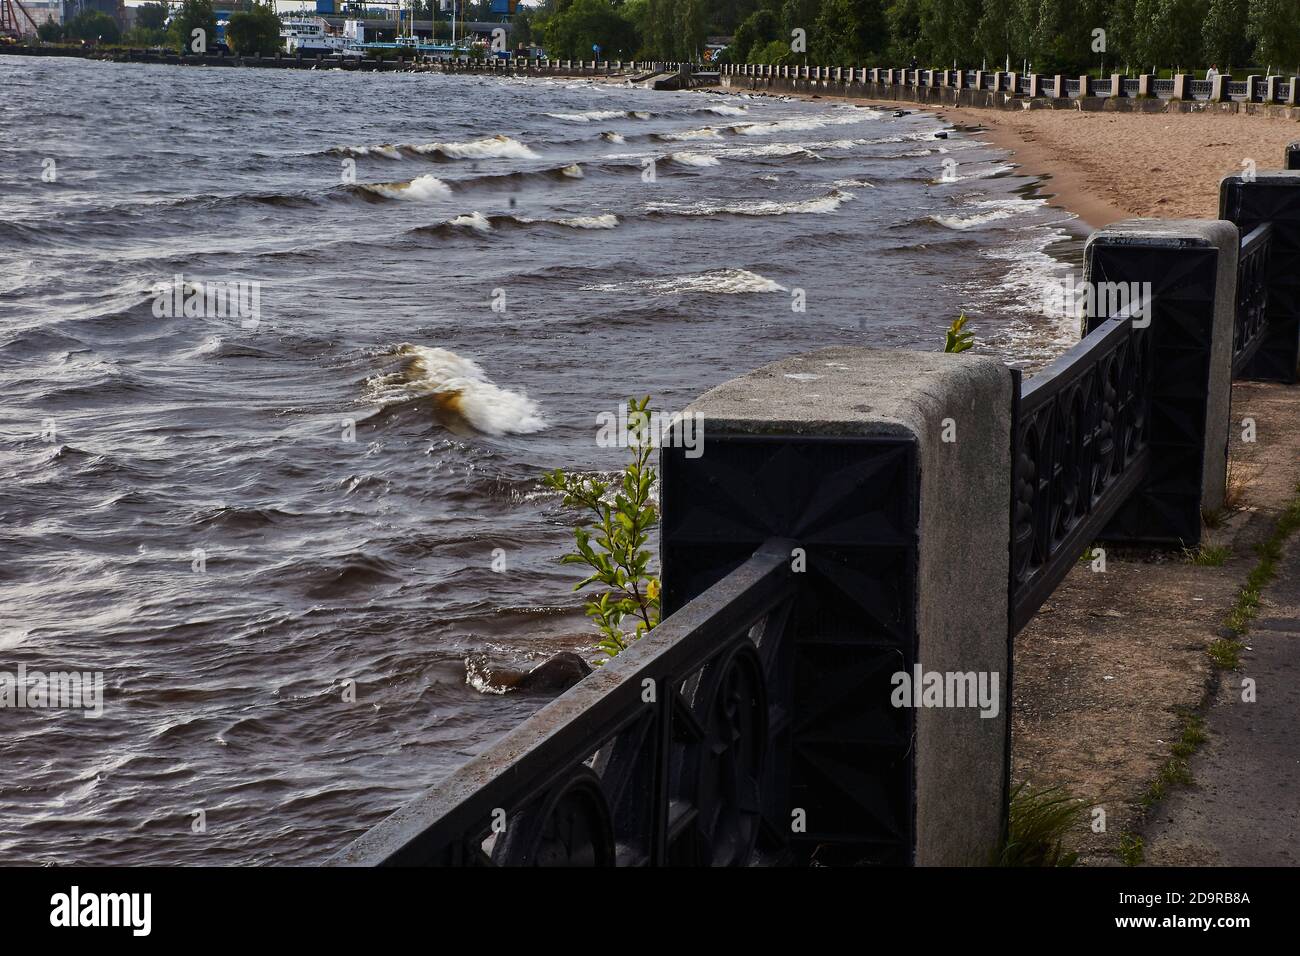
(557, 673)
(554, 675)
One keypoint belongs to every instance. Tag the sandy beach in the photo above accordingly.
(1109, 166)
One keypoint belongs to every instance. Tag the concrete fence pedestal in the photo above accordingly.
(1189, 268)
(1272, 196)
(888, 469)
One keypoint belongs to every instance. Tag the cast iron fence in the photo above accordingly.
(1079, 450)
(1252, 295)
(673, 753)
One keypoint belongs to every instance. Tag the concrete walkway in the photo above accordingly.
(1244, 809)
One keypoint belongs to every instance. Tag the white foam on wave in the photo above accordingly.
(692, 159)
(719, 282)
(612, 137)
(420, 188)
(756, 207)
(797, 125)
(1028, 279)
(686, 135)
(489, 147)
(723, 109)
(573, 171)
(590, 115)
(473, 220)
(386, 150)
(983, 171)
(606, 221)
(972, 222)
(991, 210)
(777, 150)
(460, 387)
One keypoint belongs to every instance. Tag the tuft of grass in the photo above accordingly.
(1241, 477)
(1037, 822)
(1225, 652)
(1130, 849)
(1207, 555)
(1176, 769)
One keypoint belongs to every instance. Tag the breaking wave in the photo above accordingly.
(459, 389)
(420, 188)
(489, 147)
(594, 115)
(756, 207)
(478, 222)
(721, 281)
(692, 159)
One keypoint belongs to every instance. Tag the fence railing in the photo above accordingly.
(664, 756)
(1275, 89)
(833, 540)
(1252, 296)
(1080, 450)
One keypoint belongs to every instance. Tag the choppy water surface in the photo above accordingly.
(132, 442)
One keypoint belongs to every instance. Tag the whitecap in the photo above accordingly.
(420, 188)
(721, 281)
(490, 147)
(756, 207)
(692, 159)
(461, 388)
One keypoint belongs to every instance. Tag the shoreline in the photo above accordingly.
(1063, 187)
(1105, 167)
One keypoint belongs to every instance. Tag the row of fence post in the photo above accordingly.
(1274, 88)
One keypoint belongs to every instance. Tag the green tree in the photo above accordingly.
(1274, 25)
(256, 30)
(849, 32)
(1001, 33)
(758, 30)
(776, 51)
(151, 16)
(50, 32)
(1150, 34)
(1223, 34)
(94, 25)
(1184, 19)
(570, 33)
(904, 23)
(947, 27)
(194, 15)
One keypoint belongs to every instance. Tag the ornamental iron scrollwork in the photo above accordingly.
(1252, 296)
(1080, 447)
(570, 826)
(660, 756)
(724, 740)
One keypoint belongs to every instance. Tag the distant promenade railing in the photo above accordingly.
(863, 519)
(408, 60)
(995, 87)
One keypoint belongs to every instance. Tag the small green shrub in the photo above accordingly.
(959, 339)
(612, 542)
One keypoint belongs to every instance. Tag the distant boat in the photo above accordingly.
(310, 35)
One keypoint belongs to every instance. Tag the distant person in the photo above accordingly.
(1212, 72)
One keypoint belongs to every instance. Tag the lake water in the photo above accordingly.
(446, 279)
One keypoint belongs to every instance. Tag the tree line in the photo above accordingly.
(1050, 36)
